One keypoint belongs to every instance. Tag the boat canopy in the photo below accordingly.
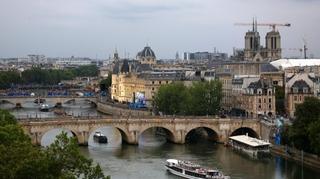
(253, 142)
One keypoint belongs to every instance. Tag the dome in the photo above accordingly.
(146, 52)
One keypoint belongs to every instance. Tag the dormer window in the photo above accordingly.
(295, 90)
(305, 90)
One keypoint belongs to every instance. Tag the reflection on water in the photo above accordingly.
(150, 138)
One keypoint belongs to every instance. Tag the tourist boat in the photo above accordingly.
(249, 145)
(190, 170)
(100, 138)
(44, 107)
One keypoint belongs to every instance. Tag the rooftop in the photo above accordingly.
(253, 142)
(287, 63)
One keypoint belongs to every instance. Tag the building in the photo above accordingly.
(226, 81)
(140, 77)
(254, 51)
(209, 56)
(298, 87)
(259, 99)
(72, 62)
(147, 56)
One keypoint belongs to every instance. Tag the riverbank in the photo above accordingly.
(304, 158)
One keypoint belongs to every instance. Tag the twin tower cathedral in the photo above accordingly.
(254, 51)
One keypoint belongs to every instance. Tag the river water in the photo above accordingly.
(146, 160)
(136, 162)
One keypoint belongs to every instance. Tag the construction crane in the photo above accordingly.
(272, 25)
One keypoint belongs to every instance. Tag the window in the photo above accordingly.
(269, 100)
(159, 82)
(259, 100)
(152, 82)
(269, 106)
(295, 98)
(152, 89)
(259, 106)
(295, 90)
(269, 92)
(264, 100)
(167, 82)
(305, 90)
(300, 98)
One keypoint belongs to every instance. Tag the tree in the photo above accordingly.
(106, 83)
(172, 99)
(305, 131)
(20, 159)
(280, 100)
(65, 160)
(202, 98)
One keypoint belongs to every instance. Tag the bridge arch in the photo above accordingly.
(165, 131)
(59, 130)
(7, 101)
(244, 131)
(123, 133)
(202, 131)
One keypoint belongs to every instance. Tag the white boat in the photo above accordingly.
(190, 170)
(249, 145)
(44, 107)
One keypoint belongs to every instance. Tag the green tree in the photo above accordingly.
(65, 161)
(202, 98)
(20, 159)
(172, 98)
(280, 108)
(107, 82)
(305, 131)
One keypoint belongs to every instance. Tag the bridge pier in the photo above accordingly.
(83, 138)
(180, 137)
(133, 138)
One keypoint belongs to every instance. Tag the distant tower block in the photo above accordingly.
(273, 45)
(177, 56)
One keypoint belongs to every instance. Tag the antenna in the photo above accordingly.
(304, 48)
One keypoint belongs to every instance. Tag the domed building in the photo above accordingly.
(147, 56)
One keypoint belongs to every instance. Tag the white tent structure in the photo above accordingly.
(282, 64)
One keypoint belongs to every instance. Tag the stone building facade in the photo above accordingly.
(259, 99)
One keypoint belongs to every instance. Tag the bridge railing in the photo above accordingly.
(101, 117)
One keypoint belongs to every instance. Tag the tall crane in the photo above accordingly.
(272, 25)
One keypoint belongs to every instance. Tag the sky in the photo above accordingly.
(95, 28)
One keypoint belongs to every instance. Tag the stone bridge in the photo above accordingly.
(131, 129)
(20, 101)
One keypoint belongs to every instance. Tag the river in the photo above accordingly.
(145, 161)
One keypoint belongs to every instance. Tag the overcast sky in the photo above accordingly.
(94, 28)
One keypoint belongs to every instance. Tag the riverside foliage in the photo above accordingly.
(304, 134)
(20, 159)
(201, 98)
(36, 75)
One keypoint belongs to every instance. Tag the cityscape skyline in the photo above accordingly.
(95, 29)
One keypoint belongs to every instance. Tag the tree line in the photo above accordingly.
(304, 134)
(20, 159)
(36, 75)
(201, 98)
